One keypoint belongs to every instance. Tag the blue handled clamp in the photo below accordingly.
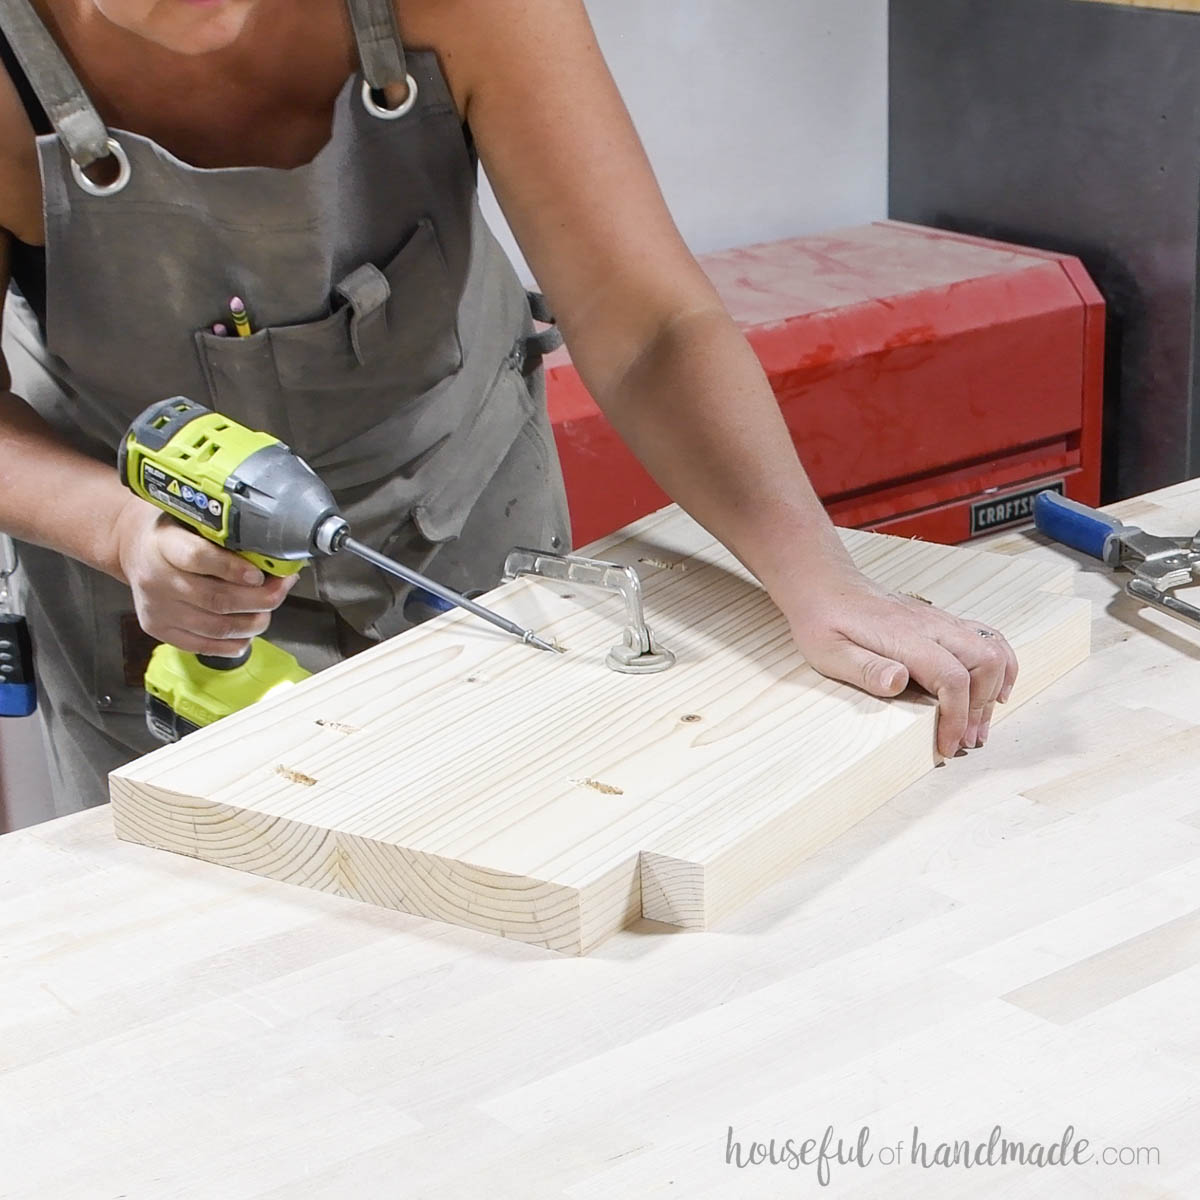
(18, 691)
(1158, 564)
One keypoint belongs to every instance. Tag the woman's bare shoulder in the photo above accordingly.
(460, 32)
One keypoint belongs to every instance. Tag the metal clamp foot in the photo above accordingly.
(638, 654)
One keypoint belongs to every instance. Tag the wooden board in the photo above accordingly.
(461, 776)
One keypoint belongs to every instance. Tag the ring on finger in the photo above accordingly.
(987, 633)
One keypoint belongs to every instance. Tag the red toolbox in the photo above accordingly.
(932, 382)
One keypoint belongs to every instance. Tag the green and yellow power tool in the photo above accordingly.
(245, 491)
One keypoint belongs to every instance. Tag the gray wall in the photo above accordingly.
(1075, 127)
(763, 118)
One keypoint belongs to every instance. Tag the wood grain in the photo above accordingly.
(455, 775)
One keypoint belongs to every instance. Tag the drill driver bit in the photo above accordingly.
(448, 594)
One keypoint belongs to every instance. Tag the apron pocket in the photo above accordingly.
(391, 337)
(240, 374)
(395, 325)
(443, 511)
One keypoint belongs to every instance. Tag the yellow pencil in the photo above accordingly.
(241, 321)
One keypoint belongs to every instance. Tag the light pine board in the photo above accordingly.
(460, 776)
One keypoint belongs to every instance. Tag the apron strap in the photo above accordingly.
(72, 114)
(379, 47)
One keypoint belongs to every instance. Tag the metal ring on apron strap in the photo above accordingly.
(105, 189)
(390, 114)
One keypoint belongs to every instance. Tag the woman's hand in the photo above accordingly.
(189, 592)
(850, 629)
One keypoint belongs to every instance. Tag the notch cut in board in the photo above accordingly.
(461, 776)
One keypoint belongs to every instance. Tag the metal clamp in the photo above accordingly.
(638, 654)
(1159, 564)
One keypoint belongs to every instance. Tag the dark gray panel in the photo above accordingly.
(1072, 127)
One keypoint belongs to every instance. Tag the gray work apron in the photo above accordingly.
(394, 349)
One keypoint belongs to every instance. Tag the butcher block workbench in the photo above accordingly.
(1013, 942)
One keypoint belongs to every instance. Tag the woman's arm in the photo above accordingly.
(666, 363)
(34, 465)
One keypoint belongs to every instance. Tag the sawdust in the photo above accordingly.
(663, 565)
(295, 776)
(606, 789)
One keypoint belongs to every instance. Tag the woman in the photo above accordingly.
(170, 154)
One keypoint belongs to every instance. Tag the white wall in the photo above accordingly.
(763, 119)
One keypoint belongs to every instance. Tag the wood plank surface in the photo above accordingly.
(460, 776)
(1010, 941)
